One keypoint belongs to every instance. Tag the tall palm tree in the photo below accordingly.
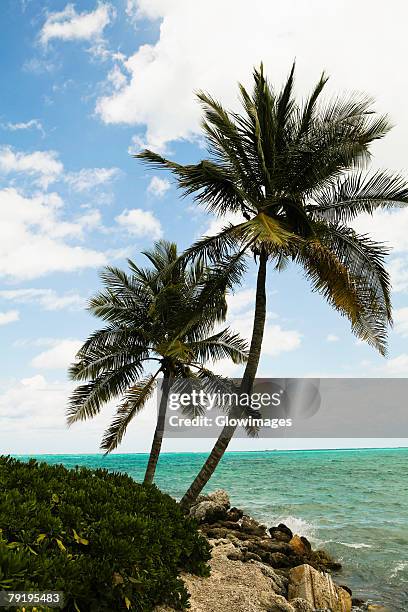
(163, 315)
(295, 173)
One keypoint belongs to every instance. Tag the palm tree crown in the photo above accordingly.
(163, 315)
(296, 175)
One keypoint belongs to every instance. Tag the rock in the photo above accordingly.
(318, 589)
(301, 546)
(346, 588)
(271, 546)
(281, 536)
(280, 604)
(278, 560)
(250, 556)
(228, 524)
(301, 605)
(282, 529)
(251, 526)
(320, 560)
(208, 512)
(279, 582)
(357, 603)
(215, 532)
(235, 514)
(219, 497)
(236, 555)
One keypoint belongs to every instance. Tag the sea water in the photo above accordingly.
(353, 503)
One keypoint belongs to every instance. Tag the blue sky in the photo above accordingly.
(83, 86)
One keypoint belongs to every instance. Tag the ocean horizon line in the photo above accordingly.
(231, 452)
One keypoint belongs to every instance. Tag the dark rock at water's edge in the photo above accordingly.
(277, 546)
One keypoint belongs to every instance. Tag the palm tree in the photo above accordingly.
(163, 315)
(295, 173)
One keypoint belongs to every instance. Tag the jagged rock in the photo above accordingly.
(321, 560)
(279, 582)
(357, 603)
(280, 604)
(220, 497)
(236, 555)
(251, 526)
(318, 589)
(208, 512)
(280, 536)
(278, 560)
(346, 588)
(228, 524)
(301, 546)
(235, 514)
(250, 556)
(281, 532)
(216, 532)
(301, 605)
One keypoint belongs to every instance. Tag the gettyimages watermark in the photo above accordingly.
(288, 408)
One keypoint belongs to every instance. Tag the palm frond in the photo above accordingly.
(86, 400)
(135, 400)
(348, 197)
(224, 344)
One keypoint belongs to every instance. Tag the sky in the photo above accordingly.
(83, 87)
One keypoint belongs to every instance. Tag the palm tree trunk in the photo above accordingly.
(158, 434)
(246, 387)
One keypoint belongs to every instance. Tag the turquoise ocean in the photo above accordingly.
(353, 503)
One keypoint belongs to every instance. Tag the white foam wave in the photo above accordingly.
(297, 525)
(354, 545)
(400, 566)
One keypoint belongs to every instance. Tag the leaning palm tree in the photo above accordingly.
(164, 315)
(295, 176)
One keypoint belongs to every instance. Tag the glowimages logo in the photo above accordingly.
(291, 407)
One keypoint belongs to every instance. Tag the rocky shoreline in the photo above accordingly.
(260, 569)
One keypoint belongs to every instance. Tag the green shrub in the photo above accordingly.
(106, 541)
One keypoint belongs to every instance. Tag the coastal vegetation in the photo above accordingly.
(292, 177)
(159, 322)
(105, 541)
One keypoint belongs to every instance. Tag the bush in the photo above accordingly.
(106, 541)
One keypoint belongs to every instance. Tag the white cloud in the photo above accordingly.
(240, 318)
(140, 223)
(240, 300)
(27, 125)
(276, 339)
(401, 321)
(33, 403)
(158, 186)
(217, 224)
(32, 237)
(9, 317)
(70, 25)
(398, 366)
(164, 75)
(59, 356)
(398, 269)
(46, 298)
(89, 178)
(332, 338)
(132, 10)
(386, 226)
(43, 165)
(116, 77)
